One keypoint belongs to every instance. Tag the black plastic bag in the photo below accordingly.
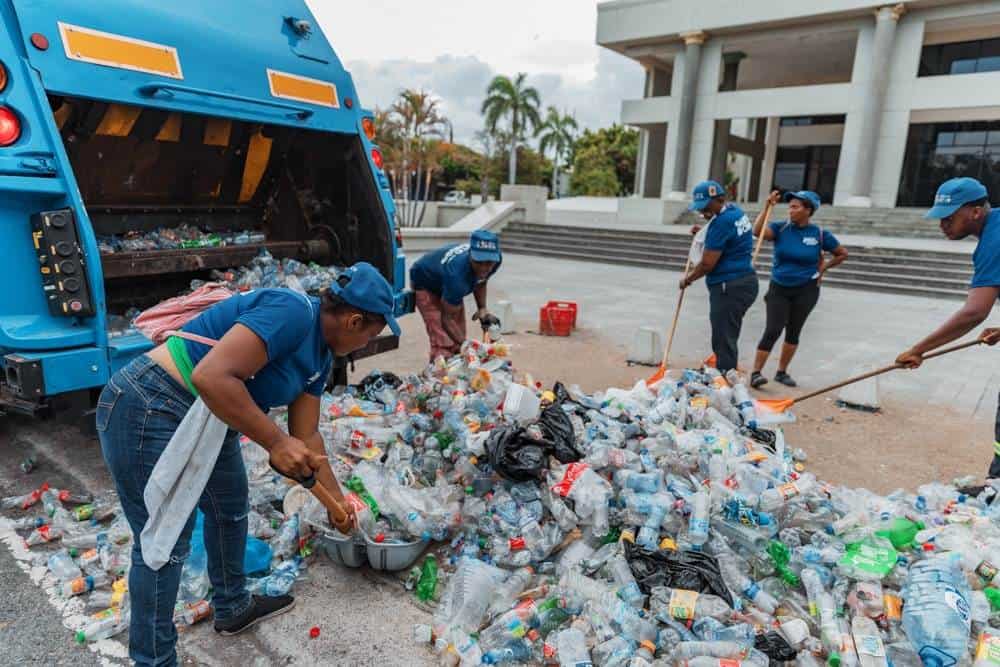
(515, 455)
(689, 570)
(559, 435)
(774, 647)
(375, 382)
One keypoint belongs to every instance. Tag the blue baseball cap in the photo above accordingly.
(368, 290)
(705, 192)
(953, 195)
(484, 246)
(808, 197)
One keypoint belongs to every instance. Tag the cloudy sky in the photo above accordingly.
(453, 48)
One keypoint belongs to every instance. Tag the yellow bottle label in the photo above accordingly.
(682, 604)
(988, 649)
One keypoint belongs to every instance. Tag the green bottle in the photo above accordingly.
(427, 584)
(901, 531)
(781, 555)
(357, 486)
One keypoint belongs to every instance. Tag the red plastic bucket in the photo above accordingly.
(557, 318)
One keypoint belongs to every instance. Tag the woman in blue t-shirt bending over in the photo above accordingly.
(795, 276)
(274, 347)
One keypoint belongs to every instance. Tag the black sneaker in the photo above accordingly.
(260, 608)
(757, 380)
(785, 379)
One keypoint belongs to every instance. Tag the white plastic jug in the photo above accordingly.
(521, 404)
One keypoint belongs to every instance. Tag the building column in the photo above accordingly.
(640, 163)
(723, 128)
(685, 119)
(772, 133)
(873, 101)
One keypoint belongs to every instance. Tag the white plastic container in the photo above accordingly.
(521, 404)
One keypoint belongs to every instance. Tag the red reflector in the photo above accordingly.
(377, 158)
(369, 127)
(40, 41)
(348, 102)
(10, 127)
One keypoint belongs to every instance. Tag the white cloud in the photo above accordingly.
(453, 48)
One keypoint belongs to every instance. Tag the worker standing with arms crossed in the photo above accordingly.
(443, 278)
(962, 205)
(727, 267)
(796, 273)
(275, 347)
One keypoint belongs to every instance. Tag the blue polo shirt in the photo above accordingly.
(986, 258)
(298, 358)
(447, 273)
(797, 251)
(731, 233)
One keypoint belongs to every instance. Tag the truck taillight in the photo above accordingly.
(10, 127)
(3, 78)
(368, 125)
(399, 236)
(377, 158)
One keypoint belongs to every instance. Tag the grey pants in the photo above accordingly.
(728, 303)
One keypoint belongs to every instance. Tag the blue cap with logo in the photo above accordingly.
(484, 246)
(953, 195)
(367, 289)
(807, 197)
(705, 192)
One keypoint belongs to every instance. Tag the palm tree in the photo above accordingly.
(516, 102)
(558, 132)
(417, 118)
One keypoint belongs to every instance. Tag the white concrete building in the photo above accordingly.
(866, 103)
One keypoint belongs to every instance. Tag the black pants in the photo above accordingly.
(728, 303)
(787, 310)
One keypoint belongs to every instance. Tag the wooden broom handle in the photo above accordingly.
(768, 207)
(886, 369)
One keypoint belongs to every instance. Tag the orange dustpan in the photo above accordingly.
(662, 370)
(779, 405)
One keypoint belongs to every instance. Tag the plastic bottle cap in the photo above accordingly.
(314, 632)
(81, 638)
(380, 538)
(928, 547)
(648, 645)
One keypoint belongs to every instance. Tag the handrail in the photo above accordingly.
(153, 89)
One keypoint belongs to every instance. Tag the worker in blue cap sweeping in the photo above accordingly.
(727, 268)
(443, 278)
(962, 205)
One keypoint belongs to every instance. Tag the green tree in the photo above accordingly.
(594, 173)
(517, 103)
(557, 134)
(612, 148)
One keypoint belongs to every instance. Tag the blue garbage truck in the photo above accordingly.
(126, 116)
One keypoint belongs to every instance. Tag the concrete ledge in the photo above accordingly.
(493, 216)
(534, 198)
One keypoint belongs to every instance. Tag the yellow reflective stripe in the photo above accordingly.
(302, 89)
(996, 448)
(104, 48)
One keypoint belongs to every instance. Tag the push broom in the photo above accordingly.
(779, 405)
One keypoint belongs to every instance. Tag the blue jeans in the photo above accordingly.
(137, 414)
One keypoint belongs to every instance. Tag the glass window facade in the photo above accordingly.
(960, 58)
(807, 168)
(936, 152)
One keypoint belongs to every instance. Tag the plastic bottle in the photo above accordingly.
(82, 585)
(197, 612)
(43, 534)
(571, 647)
(721, 650)
(675, 603)
(814, 588)
(279, 581)
(427, 585)
(516, 651)
(698, 522)
(61, 565)
(511, 625)
(772, 499)
(615, 651)
(25, 501)
(745, 405)
(104, 625)
(937, 615)
(30, 523)
(639, 481)
(868, 642)
(628, 588)
(506, 593)
(988, 649)
(285, 542)
(738, 581)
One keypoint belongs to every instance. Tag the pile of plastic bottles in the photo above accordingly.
(684, 531)
(266, 271)
(173, 238)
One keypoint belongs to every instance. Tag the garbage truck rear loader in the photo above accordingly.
(128, 116)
